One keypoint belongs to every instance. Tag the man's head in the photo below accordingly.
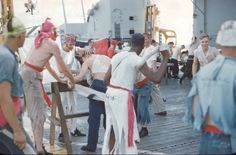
(50, 28)
(204, 40)
(227, 35)
(16, 30)
(90, 42)
(70, 41)
(171, 44)
(147, 40)
(226, 38)
(194, 39)
(137, 42)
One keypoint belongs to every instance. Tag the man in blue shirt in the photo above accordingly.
(212, 99)
(13, 137)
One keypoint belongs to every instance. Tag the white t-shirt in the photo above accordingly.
(124, 75)
(205, 58)
(70, 60)
(176, 52)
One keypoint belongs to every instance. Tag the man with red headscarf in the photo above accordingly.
(38, 59)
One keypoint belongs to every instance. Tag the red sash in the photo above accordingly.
(130, 114)
(39, 69)
(142, 83)
(17, 106)
(212, 129)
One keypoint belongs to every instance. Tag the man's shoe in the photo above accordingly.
(62, 139)
(77, 133)
(143, 132)
(44, 152)
(87, 149)
(163, 113)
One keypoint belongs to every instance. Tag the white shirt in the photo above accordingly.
(125, 74)
(205, 58)
(176, 52)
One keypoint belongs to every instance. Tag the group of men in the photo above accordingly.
(122, 78)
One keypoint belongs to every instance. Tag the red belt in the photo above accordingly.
(130, 114)
(142, 83)
(39, 69)
(212, 129)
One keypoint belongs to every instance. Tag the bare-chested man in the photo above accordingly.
(98, 66)
(121, 131)
(38, 59)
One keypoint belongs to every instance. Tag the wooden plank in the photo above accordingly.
(55, 149)
(77, 115)
(89, 93)
(62, 118)
(53, 115)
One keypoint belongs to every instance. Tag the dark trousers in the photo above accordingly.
(188, 69)
(96, 109)
(175, 68)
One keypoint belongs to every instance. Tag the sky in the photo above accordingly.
(174, 14)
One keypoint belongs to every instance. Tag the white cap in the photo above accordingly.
(17, 27)
(227, 34)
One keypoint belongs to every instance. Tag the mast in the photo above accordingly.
(64, 14)
(82, 4)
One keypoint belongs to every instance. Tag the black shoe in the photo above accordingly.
(61, 138)
(87, 149)
(175, 77)
(77, 133)
(143, 132)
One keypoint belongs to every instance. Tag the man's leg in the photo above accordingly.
(112, 140)
(95, 111)
(143, 111)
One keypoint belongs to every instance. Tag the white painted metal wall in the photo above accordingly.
(210, 14)
(126, 14)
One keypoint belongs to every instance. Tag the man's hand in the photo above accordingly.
(19, 139)
(62, 80)
(70, 84)
(88, 51)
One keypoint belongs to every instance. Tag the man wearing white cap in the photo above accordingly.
(213, 110)
(13, 139)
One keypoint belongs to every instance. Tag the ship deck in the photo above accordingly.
(167, 134)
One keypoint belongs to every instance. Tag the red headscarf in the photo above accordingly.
(70, 39)
(45, 32)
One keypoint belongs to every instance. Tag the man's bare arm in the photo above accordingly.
(52, 72)
(8, 110)
(107, 76)
(83, 72)
(156, 76)
(194, 67)
(61, 64)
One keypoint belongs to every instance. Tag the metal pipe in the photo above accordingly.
(64, 14)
